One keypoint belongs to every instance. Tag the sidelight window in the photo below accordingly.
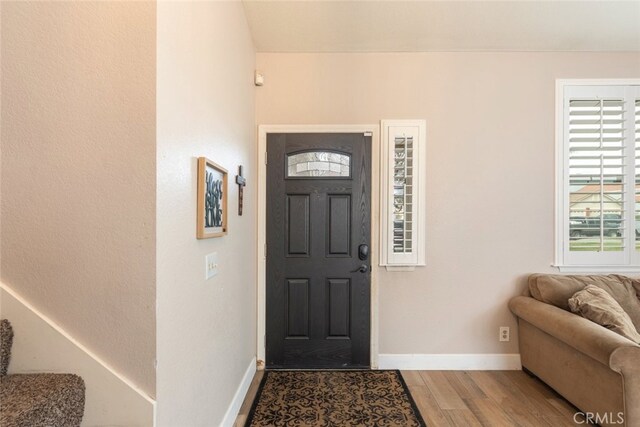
(402, 201)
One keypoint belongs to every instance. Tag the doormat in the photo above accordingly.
(333, 398)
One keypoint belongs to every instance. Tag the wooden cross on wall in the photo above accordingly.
(242, 182)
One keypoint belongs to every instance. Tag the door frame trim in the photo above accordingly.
(263, 130)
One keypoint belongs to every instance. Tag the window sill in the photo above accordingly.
(400, 267)
(595, 269)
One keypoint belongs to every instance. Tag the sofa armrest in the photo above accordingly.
(626, 361)
(587, 337)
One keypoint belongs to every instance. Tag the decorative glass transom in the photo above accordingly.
(318, 164)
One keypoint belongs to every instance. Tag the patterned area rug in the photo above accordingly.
(333, 398)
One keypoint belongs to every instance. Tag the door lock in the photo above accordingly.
(363, 252)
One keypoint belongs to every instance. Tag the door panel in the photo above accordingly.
(318, 214)
(339, 225)
(338, 303)
(297, 308)
(297, 224)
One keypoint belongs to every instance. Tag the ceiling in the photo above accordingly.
(418, 26)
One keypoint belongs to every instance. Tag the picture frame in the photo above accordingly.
(212, 200)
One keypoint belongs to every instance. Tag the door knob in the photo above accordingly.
(362, 269)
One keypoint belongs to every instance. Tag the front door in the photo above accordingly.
(318, 250)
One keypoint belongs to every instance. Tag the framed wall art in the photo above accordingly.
(212, 199)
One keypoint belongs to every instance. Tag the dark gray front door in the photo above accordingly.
(318, 255)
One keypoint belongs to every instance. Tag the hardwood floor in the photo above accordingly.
(487, 398)
(248, 400)
(473, 398)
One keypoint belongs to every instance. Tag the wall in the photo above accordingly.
(78, 172)
(0, 146)
(109, 399)
(205, 107)
(490, 171)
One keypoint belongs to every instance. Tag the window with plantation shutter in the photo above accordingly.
(600, 185)
(636, 223)
(403, 200)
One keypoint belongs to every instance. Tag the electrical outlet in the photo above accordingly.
(211, 265)
(504, 333)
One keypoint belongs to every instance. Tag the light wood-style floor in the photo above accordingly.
(474, 398)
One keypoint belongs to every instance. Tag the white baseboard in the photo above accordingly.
(450, 362)
(238, 398)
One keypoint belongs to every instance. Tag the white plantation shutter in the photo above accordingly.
(599, 175)
(403, 199)
(596, 174)
(404, 183)
(636, 223)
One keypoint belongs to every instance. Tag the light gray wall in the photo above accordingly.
(206, 107)
(490, 173)
(78, 172)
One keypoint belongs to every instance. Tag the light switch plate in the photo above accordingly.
(211, 265)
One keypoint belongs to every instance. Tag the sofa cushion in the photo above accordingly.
(599, 306)
(556, 289)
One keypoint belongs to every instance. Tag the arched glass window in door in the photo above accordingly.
(318, 164)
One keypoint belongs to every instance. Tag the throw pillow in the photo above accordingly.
(599, 306)
(556, 289)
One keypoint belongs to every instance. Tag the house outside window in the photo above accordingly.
(598, 176)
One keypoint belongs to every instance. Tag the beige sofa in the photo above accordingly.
(591, 366)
